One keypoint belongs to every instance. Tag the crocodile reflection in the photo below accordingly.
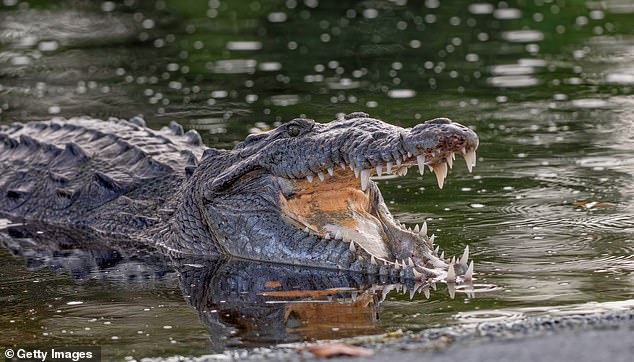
(240, 302)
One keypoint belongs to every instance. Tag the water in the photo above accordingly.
(547, 84)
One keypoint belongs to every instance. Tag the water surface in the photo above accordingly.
(548, 211)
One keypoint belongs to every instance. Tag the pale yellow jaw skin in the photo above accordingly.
(336, 207)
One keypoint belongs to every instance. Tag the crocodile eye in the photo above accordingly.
(293, 130)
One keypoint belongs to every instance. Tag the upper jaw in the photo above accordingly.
(432, 144)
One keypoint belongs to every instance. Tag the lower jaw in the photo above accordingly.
(346, 213)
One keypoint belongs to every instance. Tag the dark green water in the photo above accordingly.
(547, 84)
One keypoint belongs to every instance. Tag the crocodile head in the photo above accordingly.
(303, 194)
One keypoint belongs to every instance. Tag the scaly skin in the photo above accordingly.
(299, 194)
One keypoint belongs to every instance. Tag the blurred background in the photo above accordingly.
(547, 84)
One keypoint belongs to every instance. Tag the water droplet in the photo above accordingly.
(401, 93)
(48, 45)
(277, 17)
(507, 14)
(370, 13)
(244, 45)
(523, 36)
(481, 8)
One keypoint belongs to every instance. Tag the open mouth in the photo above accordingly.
(341, 202)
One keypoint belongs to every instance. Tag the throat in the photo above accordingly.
(337, 208)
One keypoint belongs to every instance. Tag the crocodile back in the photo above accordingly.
(110, 175)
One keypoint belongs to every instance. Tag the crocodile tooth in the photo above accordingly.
(331, 172)
(465, 256)
(426, 292)
(409, 155)
(343, 166)
(423, 230)
(356, 172)
(421, 164)
(384, 293)
(327, 236)
(372, 260)
(352, 247)
(470, 159)
(442, 255)
(451, 288)
(388, 165)
(354, 296)
(306, 229)
(379, 170)
(410, 261)
(441, 172)
(365, 179)
(416, 228)
(351, 167)
(321, 176)
(409, 228)
(430, 242)
(433, 286)
(411, 293)
(451, 274)
(449, 161)
(432, 238)
(397, 265)
(398, 162)
(338, 235)
(309, 178)
(437, 249)
(453, 260)
(418, 275)
(453, 156)
(469, 274)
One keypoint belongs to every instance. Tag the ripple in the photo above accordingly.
(589, 103)
(477, 288)
(619, 6)
(495, 315)
(511, 69)
(513, 81)
(619, 78)
(285, 100)
(234, 66)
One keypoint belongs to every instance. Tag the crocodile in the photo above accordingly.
(301, 194)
